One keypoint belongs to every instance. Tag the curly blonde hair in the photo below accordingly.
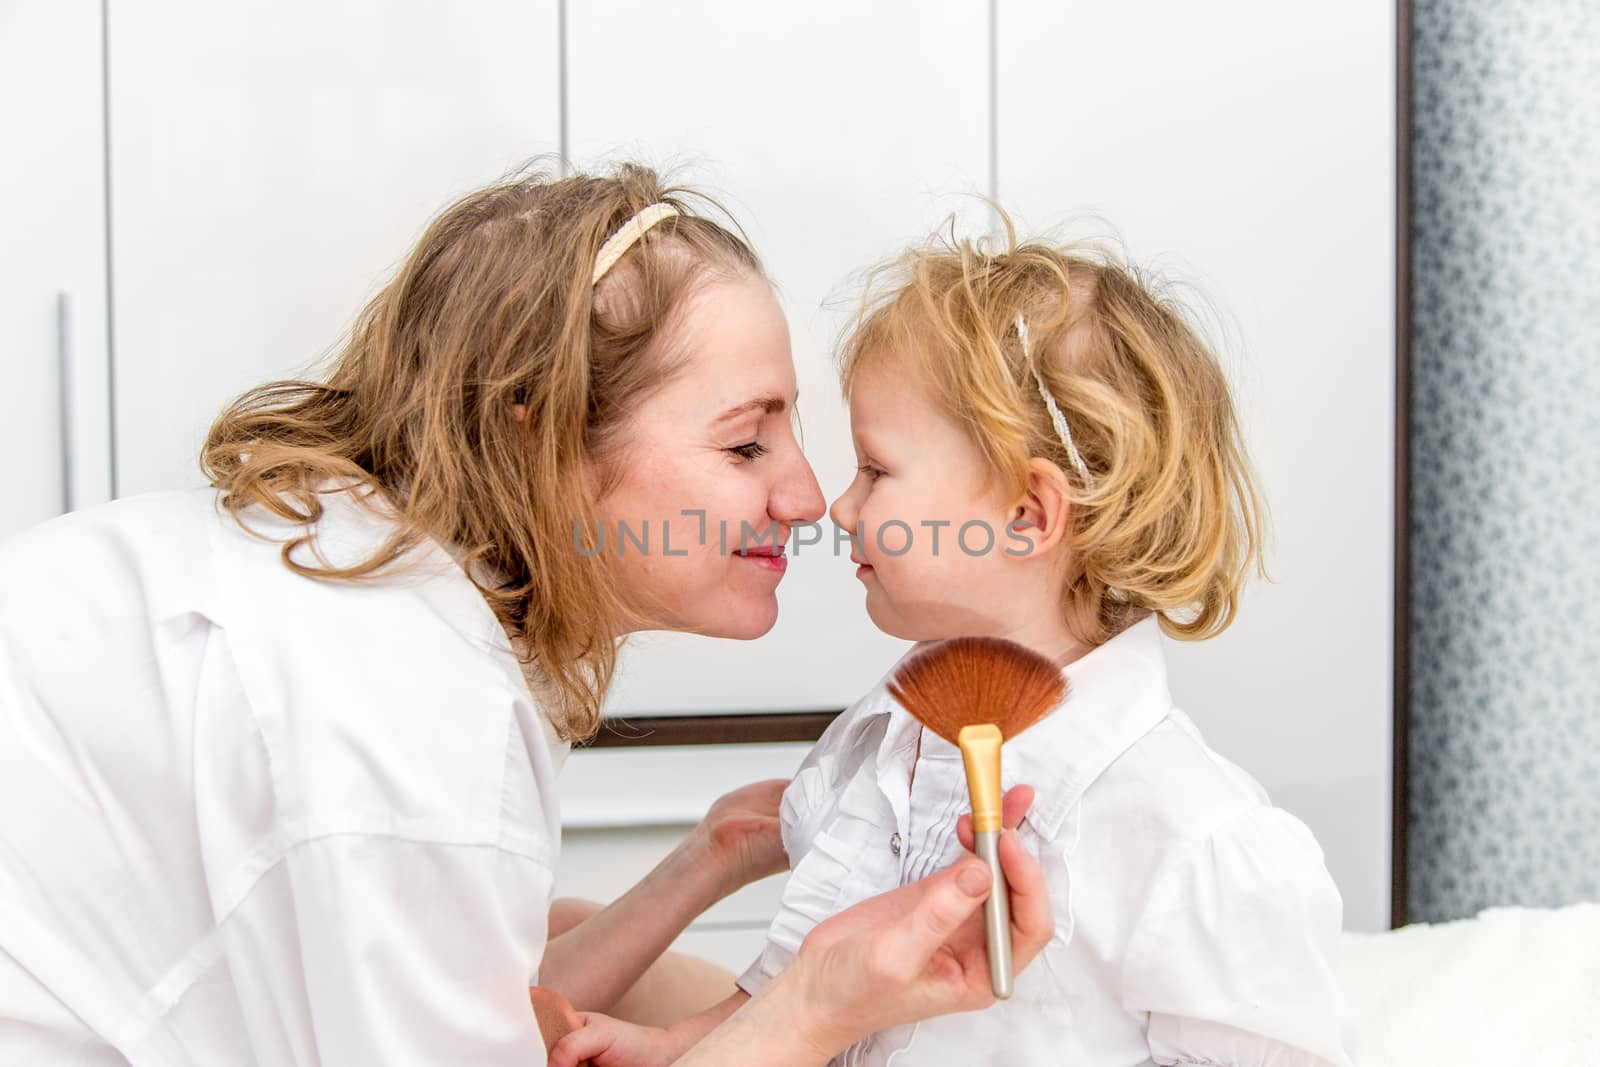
(494, 308)
(1169, 520)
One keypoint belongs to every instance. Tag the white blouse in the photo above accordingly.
(1195, 923)
(252, 818)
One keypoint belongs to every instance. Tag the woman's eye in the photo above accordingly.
(749, 451)
(870, 471)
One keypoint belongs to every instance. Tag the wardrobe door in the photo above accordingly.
(53, 423)
(836, 134)
(1246, 150)
(270, 166)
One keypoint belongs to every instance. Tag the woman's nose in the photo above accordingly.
(797, 497)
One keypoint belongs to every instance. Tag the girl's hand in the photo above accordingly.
(741, 836)
(554, 1015)
(602, 1041)
(918, 951)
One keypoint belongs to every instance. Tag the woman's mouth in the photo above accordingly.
(767, 557)
(862, 568)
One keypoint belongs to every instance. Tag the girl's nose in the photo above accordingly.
(843, 512)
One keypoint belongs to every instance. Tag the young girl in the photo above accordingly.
(1048, 453)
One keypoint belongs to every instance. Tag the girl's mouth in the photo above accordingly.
(767, 557)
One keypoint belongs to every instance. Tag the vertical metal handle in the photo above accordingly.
(996, 915)
(64, 366)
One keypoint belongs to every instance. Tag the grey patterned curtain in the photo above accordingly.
(1505, 631)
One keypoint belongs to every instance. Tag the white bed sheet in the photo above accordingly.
(1512, 987)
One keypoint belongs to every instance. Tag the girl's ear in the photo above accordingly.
(1045, 506)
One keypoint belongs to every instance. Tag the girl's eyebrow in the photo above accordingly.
(770, 404)
(864, 446)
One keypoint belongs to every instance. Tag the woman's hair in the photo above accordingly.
(493, 308)
(1169, 520)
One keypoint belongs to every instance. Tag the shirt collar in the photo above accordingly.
(355, 523)
(1116, 694)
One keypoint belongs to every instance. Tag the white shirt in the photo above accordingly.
(248, 817)
(1195, 923)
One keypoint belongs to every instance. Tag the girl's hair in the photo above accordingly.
(1170, 519)
(494, 307)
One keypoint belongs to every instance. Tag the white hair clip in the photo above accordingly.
(1056, 418)
(627, 234)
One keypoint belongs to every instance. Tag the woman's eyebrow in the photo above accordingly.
(770, 404)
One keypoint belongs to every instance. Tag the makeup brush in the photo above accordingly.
(976, 693)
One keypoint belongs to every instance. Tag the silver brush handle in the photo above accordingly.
(996, 916)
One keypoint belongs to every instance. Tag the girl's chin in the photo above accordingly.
(882, 616)
(917, 622)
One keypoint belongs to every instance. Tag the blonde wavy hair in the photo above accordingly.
(494, 308)
(1170, 521)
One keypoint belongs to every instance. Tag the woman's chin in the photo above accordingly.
(743, 621)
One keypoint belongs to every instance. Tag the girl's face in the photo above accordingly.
(716, 442)
(933, 541)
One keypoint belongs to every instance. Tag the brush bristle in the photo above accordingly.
(968, 680)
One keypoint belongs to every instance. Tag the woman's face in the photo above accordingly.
(710, 478)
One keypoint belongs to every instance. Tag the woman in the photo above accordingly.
(278, 758)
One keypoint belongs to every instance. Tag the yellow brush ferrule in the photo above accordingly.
(980, 754)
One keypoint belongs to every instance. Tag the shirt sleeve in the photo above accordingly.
(807, 793)
(368, 948)
(818, 816)
(1233, 956)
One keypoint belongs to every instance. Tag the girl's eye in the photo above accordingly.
(870, 471)
(750, 451)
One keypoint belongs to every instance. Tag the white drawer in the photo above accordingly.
(665, 785)
(733, 947)
(623, 810)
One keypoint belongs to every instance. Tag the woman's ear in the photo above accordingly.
(519, 412)
(1045, 506)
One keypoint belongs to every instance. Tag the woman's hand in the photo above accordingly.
(909, 954)
(920, 950)
(740, 834)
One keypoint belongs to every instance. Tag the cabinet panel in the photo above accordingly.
(53, 421)
(836, 133)
(272, 163)
(1247, 150)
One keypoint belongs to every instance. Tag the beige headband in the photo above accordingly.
(627, 234)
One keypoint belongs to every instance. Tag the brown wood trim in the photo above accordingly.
(1400, 854)
(741, 729)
